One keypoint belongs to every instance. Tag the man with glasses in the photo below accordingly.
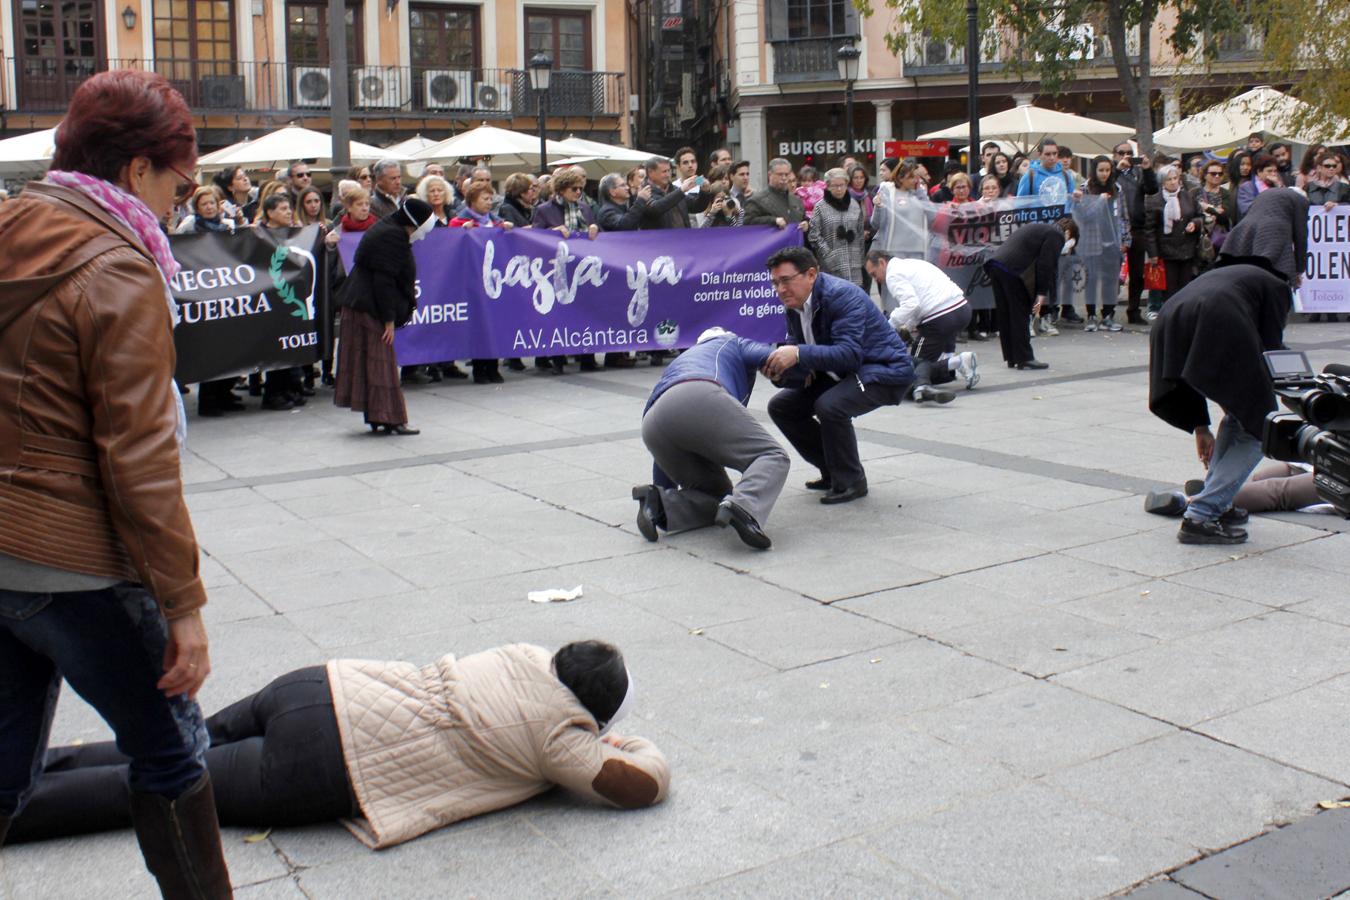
(298, 180)
(777, 205)
(842, 360)
(1135, 181)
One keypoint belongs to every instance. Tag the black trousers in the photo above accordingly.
(1012, 311)
(818, 420)
(1134, 258)
(275, 760)
(936, 337)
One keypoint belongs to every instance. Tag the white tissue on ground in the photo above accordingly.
(554, 595)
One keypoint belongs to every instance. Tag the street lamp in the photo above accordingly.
(973, 83)
(541, 67)
(848, 73)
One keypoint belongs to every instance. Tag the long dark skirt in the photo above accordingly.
(367, 375)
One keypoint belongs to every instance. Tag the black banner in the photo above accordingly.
(249, 301)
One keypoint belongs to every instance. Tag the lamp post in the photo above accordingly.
(541, 67)
(340, 115)
(848, 73)
(973, 82)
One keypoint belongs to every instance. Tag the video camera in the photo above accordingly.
(1317, 428)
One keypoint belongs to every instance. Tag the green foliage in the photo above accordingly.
(1307, 44)
(283, 288)
(1046, 40)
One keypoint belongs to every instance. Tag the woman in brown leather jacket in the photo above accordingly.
(99, 579)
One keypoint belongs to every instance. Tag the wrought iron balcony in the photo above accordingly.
(807, 59)
(221, 86)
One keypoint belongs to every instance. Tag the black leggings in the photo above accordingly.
(275, 759)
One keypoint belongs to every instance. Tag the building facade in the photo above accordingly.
(246, 66)
(767, 83)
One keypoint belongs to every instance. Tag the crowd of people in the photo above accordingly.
(1136, 226)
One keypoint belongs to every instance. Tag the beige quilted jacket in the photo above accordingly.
(432, 745)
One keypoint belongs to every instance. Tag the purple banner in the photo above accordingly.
(529, 292)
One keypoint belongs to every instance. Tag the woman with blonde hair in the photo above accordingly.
(206, 213)
(435, 190)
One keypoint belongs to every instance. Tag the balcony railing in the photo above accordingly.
(930, 57)
(1244, 44)
(373, 91)
(807, 59)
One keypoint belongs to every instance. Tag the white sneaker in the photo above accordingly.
(1150, 316)
(1109, 323)
(968, 367)
(1047, 327)
(1091, 324)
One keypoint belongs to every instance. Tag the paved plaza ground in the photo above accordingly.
(995, 676)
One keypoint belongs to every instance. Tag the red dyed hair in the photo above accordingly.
(116, 116)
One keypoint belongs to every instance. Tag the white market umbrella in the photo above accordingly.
(1026, 126)
(27, 154)
(276, 149)
(410, 146)
(505, 148)
(1262, 110)
(600, 159)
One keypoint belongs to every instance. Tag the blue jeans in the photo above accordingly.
(109, 645)
(1236, 454)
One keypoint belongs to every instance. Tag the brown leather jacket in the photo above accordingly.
(89, 467)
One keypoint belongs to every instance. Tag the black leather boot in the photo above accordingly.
(180, 840)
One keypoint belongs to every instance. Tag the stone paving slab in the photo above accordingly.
(995, 676)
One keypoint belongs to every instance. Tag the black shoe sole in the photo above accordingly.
(644, 519)
(1165, 503)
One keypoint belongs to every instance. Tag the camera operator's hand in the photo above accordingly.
(1204, 445)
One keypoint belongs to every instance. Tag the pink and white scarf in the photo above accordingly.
(132, 212)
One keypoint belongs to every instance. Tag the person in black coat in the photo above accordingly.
(1026, 266)
(1135, 183)
(1273, 235)
(1207, 344)
(378, 297)
(619, 210)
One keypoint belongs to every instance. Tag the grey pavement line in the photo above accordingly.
(431, 459)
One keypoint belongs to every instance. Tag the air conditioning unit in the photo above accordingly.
(222, 91)
(310, 86)
(376, 87)
(448, 89)
(491, 96)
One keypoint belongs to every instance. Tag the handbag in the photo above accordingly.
(1125, 271)
(1155, 275)
(1204, 253)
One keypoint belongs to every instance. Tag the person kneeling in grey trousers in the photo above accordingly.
(696, 427)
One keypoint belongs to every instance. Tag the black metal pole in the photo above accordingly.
(973, 82)
(543, 140)
(848, 116)
(337, 86)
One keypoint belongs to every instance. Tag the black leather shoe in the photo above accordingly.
(453, 371)
(1212, 532)
(1235, 515)
(728, 513)
(1030, 364)
(515, 365)
(1165, 503)
(650, 511)
(401, 430)
(852, 492)
(926, 393)
(820, 484)
(1193, 486)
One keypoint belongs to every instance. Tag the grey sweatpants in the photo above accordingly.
(696, 431)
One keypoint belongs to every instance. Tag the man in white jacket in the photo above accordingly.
(930, 311)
